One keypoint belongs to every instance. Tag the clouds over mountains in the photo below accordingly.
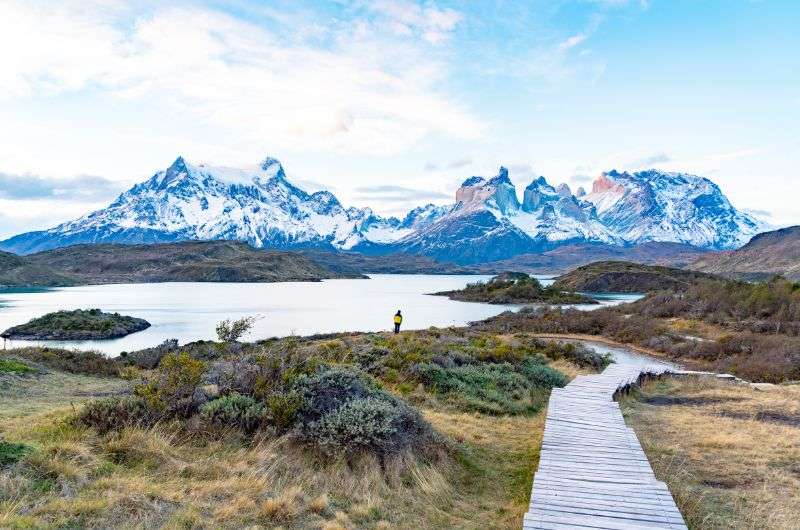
(363, 84)
(78, 188)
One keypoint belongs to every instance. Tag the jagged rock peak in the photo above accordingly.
(179, 164)
(270, 162)
(538, 183)
(473, 181)
(502, 177)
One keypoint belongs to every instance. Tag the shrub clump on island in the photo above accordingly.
(80, 324)
(515, 288)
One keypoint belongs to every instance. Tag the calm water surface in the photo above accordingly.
(190, 311)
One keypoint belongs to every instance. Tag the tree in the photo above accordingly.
(232, 331)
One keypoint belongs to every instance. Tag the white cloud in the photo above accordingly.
(407, 18)
(18, 215)
(571, 42)
(362, 92)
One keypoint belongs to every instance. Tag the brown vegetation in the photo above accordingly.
(627, 277)
(767, 254)
(728, 453)
(750, 330)
(190, 261)
(209, 439)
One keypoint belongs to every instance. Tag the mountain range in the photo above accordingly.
(487, 221)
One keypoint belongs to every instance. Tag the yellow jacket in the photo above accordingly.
(398, 319)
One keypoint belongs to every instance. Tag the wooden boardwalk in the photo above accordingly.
(592, 472)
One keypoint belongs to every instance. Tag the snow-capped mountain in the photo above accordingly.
(662, 206)
(257, 205)
(487, 222)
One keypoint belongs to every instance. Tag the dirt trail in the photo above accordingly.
(602, 340)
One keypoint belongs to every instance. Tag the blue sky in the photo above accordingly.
(393, 103)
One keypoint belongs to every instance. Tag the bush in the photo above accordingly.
(543, 376)
(343, 413)
(283, 409)
(111, 414)
(12, 452)
(172, 389)
(74, 361)
(232, 331)
(234, 410)
(359, 424)
(149, 358)
(488, 388)
(328, 390)
(12, 366)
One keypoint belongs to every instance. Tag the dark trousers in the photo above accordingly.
(397, 328)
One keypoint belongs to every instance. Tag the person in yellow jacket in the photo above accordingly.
(398, 319)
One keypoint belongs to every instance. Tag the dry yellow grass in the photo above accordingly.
(695, 328)
(159, 477)
(730, 454)
(21, 396)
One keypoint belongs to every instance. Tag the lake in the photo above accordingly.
(191, 311)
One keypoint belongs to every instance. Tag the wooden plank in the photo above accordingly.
(593, 473)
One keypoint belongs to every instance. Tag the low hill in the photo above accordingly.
(195, 261)
(18, 271)
(767, 254)
(567, 257)
(626, 277)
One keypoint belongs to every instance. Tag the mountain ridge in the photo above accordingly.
(187, 261)
(776, 252)
(488, 221)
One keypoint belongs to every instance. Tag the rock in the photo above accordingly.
(211, 391)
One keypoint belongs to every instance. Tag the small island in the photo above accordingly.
(515, 288)
(80, 324)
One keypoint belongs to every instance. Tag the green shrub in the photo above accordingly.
(234, 410)
(576, 353)
(12, 452)
(110, 414)
(487, 388)
(542, 376)
(283, 408)
(74, 361)
(359, 424)
(344, 413)
(12, 366)
(172, 388)
(232, 331)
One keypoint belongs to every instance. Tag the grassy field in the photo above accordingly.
(168, 476)
(730, 454)
(154, 478)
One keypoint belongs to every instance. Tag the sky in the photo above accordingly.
(393, 103)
